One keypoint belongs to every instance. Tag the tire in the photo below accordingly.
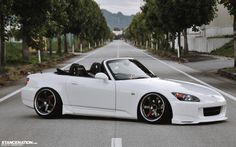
(47, 103)
(154, 108)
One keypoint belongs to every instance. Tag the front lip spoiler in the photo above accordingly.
(29, 106)
(203, 121)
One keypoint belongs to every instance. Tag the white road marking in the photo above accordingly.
(116, 142)
(10, 95)
(79, 60)
(118, 51)
(19, 90)
(186, 74)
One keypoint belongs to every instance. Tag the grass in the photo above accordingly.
(15, 72)
(229, 73)
(231, 70)
(17, 68)
(226, 50)
(13, 53)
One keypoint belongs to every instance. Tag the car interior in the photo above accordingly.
(80, 71)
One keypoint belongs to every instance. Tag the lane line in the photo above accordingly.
(79, 60)
(195, 79)
(68, 65)
(10, 95)
(116, 142)
(118, 51)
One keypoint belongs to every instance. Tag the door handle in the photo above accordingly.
(74, 83)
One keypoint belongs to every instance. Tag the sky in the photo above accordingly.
(127, 7)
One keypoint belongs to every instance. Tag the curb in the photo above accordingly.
(227, 74)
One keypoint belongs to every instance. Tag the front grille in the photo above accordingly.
(211, 111)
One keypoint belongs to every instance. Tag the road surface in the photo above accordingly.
(20, 123)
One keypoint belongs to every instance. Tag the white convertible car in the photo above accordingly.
(121, 88)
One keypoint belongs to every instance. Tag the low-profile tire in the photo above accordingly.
(47, 103)
(154, 108)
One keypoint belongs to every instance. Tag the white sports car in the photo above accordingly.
(122, 88)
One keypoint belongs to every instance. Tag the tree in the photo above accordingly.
(231, 5)
(57, 22)
(172, 16)
(138, 31)
(160, 17)
(5, 15)
(31, 16)
(87, 21)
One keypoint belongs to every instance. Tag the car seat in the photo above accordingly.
(95, 68)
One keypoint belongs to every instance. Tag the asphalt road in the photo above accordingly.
(18, 122)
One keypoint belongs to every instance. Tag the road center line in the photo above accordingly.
(118, 51)
(116, 142)
(19, 90)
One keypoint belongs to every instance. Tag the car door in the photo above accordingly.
(92, 93)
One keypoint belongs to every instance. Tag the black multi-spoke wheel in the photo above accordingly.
(47, 103)
(154, 108)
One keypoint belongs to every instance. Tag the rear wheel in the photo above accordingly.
(47, 103)
(154, 108)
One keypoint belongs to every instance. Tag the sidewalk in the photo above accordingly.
(211, 63)
(215, 64)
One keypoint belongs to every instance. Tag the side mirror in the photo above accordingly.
(101, 76)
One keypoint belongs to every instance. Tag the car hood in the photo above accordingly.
(170, 85)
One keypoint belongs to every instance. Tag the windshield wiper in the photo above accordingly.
(139, 77)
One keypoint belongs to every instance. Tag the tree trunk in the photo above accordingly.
(65, 44)
(1, 52)
(173, 41)
(234, 41)
(185, 41)
(167, 42)
(50, 46)
(0, 47)
(2, 42)
(179, 41)
(167, 37)
(75, 41)
(78, 41)
(25, 49)
(59, 44)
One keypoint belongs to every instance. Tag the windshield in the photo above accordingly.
(126, 69)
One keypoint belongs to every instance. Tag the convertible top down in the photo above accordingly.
(122, 88)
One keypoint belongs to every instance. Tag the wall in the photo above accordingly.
(208, 37)
(203, 44)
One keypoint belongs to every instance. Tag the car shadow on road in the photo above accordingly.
(111, 119)
(108, 119)
(96, 118)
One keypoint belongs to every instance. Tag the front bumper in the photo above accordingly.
(193, 112)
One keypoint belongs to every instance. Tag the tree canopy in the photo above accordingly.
(174, 16)
(37, 19)
(231, 5)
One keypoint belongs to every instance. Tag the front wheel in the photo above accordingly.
(154, 108)
(47, 103)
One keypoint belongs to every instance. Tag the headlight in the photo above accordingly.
(185, 97)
